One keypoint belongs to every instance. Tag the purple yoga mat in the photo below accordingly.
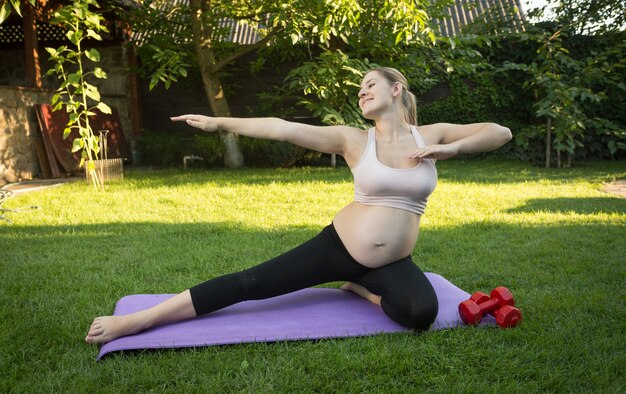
(308, 314)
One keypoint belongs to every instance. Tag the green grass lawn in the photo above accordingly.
(551, 236)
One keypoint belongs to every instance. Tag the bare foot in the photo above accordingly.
(362, 291)
(107, 328)
(174, 309)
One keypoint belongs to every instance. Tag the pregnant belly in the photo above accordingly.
(376, 235)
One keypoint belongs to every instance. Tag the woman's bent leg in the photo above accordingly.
(407, 296)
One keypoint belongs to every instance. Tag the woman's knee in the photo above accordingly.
(408, 297)
(251, 285)
(415, 314)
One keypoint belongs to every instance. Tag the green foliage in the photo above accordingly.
(77, 96)
(605, 139)
(160, 149)
(208, 147)
(330, 84)
(163, 37)
(335, 41)
(589, 17)
(9, 5)
(169, 149)
(167, 43)
(499, 95)
(171, 66)
(562, 87)
(471, 99)
(268, 153)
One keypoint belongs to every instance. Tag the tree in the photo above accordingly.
(563, 87)
(584, 16)
(374, 26)
(566, 86)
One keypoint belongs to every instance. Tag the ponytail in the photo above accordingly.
(410, 107)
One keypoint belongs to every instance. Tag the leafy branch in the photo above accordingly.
(79, 98)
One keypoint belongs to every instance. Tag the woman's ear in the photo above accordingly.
(397, 89)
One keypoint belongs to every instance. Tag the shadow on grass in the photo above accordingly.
(583, 206)
(160, 257)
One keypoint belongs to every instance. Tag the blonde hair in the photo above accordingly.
(408, 99)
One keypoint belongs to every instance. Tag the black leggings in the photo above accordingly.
(407, 296)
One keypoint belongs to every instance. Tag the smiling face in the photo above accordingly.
(376, 95)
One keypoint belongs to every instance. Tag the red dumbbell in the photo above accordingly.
(501, 305)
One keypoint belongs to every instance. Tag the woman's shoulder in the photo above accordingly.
(355, 144)
(351, 132)
(430, 128)
(354, 130)
(431, 133)
(356, 133)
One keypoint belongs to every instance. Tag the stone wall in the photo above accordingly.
(115, 90)
(18, 123)
(18, 132)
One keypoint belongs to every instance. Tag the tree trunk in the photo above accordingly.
(213, 85)
(548, 142)
(31, 46)
(558, 159)
(233, 158)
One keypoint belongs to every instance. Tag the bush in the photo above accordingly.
(166, 149)
(501, 97)
(160, 149)
(209, 148)
(267, 153)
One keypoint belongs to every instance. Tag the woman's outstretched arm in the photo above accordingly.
(326, 139)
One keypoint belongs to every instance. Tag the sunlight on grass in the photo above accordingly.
(304, 198)
(525, 204)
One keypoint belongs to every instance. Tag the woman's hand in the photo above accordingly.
(202, 122)
(437, 152)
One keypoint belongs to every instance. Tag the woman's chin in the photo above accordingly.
(369, 115)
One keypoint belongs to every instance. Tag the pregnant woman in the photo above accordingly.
(369, 242)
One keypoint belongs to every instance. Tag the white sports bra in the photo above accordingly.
(402, 188)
